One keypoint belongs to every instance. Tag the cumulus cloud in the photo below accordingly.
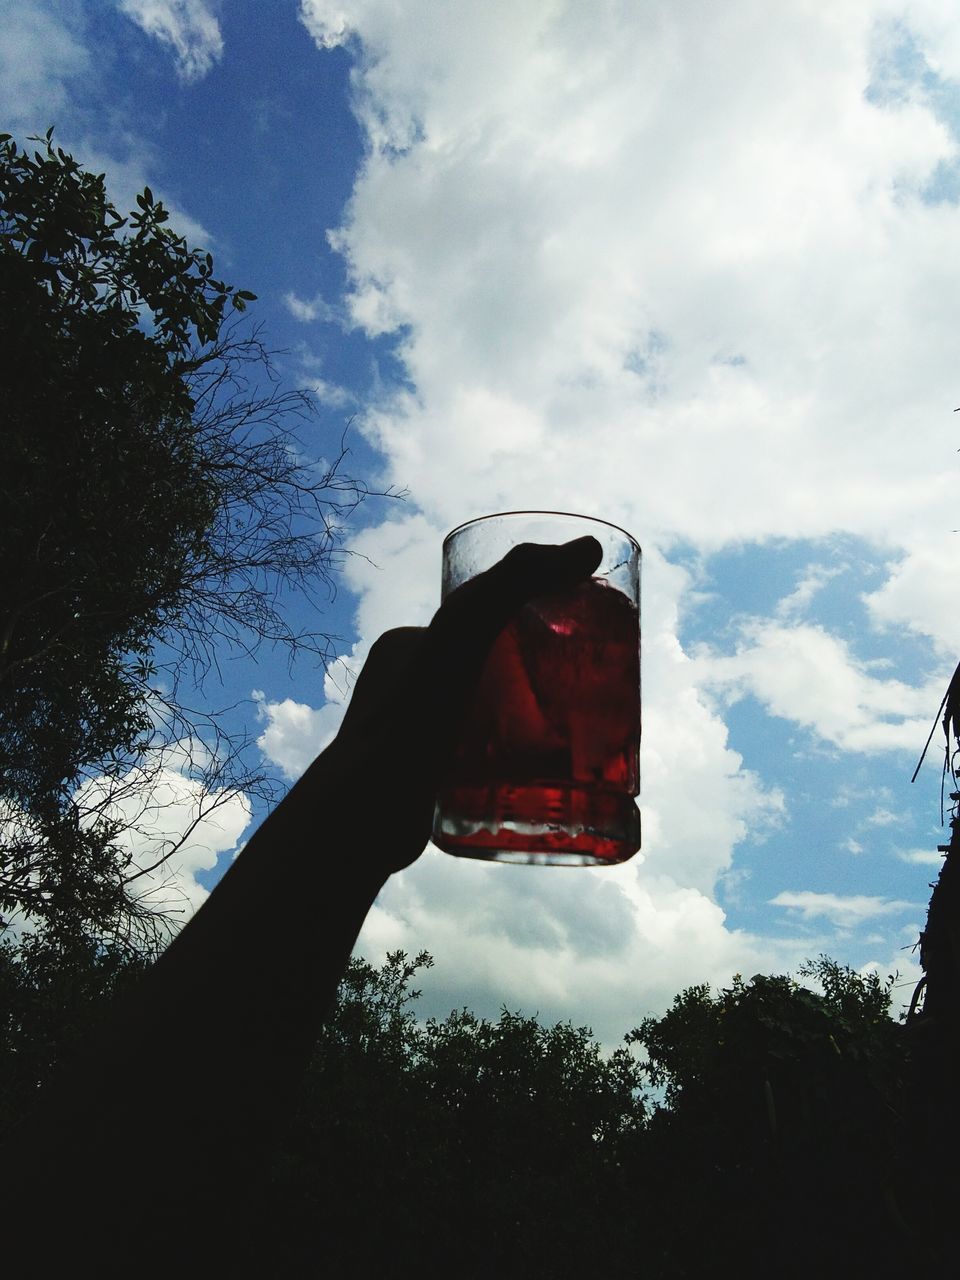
(675, 265)
(552, 332)
(565, 244)
(601, 305)
(188, 27)
(295, 733)
(921, 857)
(814, 578)
(679, 266)
(174, 828)
(332, 395)
(804, 674)
(308, 309)
(598, 947)
(329, 24)
(883, 818)
(844, 911)
(917, 592)
(897, 956)
(932, 24)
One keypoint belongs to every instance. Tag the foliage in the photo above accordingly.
(784, 1106)
(772, 1024)
(52, 995)
(769, 1129)
(413, 1138)
(737, 1121)
(157, 501)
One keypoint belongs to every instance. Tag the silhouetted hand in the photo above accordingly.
(409, 702)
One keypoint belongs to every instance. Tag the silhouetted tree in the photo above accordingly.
(156, 501)
(53, 994)
(787, 1130)
(762, 1129)
(491, 1143)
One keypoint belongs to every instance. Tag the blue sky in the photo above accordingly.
(690, 267)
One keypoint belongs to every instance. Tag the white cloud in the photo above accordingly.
(900, 960)
(932, 23)
(846, 912)
(921, 857)
(174, 828)
(814, 578)
(918, 592)
(599, 947)
(610, 307)
(308, 309)
(329, 24)
(188, 27)
(672, 266)
(328, 393)
(174, 822)
(557, 201)
(883, 818)
(667, 264)
(804, 674)
(42, 51)
(661, 263)
(853, 795)
(296, 733)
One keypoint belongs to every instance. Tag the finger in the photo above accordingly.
(479, 609)
(423, 676)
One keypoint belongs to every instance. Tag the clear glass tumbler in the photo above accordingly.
(548, 761)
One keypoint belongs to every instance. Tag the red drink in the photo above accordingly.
(547, 764)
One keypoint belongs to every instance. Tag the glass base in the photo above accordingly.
(541, 824)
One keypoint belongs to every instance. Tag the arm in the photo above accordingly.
(216, 1038)
(361, 811)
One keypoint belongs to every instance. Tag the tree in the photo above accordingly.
(764, 1127)
(767, 1127)
(157, 501)
(787, 1114)
(52, 996)
(459, 1142)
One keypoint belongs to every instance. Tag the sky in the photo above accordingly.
(692, 268)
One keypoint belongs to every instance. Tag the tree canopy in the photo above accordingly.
(157, 501)
(764, 1127)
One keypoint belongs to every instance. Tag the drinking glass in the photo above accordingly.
(548, 761)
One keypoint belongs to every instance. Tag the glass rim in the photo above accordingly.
(573, 515)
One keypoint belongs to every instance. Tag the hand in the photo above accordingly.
(415, 688)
